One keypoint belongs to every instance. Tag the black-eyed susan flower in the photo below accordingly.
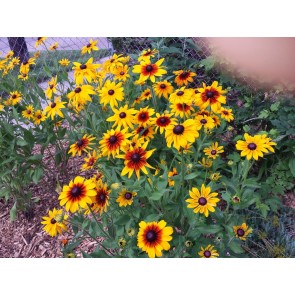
(87, 71)
(147, 54)
(162, 121)
(25, 65)
(78, 194)
(90, 161)
(226, 114)
(163, 89)
(122, 242)
(146, 94)
(114, 141)
(212, 96)
(171, 174)
(123, 117)
(54, 108)
(153, 237)
(23, 77)
(183, 77)
(111, 93)
(39, 116)
(91, 46)
(15, 61)
(208, 252)
(216, 120)
(213, 151)
(54, 46)
(51, 87)
(9, 54)
(55, 223)
(40, 41)
(204, 121)
(37, 54)
(215, 176)
(182, 109)
(81, 94)
(15, 97)
(64, 62)
(149, 70)
(143, 117)
(242, 231)
(181, 134)
(82, 145)
(125, 197)
(254, 146)
(202, 201)
(147, 133)
(121, 73)
(115, 61)
(180, 95)
(101, 199)
(135, 160)
(28, 113)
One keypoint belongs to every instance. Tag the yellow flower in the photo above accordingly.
(78, 194)
(113, 141)
(147, 54)
(180, 95)
(163, 88)
(121, 73)
(25, 65)
(111, 93)
(213, 151)
(215, 176)
(171, 174)
(53, 46)
(55, 222)
(90, 160)
(162, 121)
(39, 117)
(242, 231)
(208, 252)
(81, 94)
(143, 116)
(135, 160)
(51, 87)
(54, 108)
(82, 145)
(23, 77)
(179, 135)
(130, 232)
(114, 62)
(212, 96)
(153, 237)
(40, 41)
(87, 70)
(122, 242)
(125, 198)
(202, 201)
(148, 70)
(123, 117)
(183, 77)
(9, 54)
(206, 163)
(15, 97)
(226, 114)
(255, 146)
(64, 62)
(204, 121)
(182, 109)
(37, 54)
(146, 94)
(91, 46)
(28, 113)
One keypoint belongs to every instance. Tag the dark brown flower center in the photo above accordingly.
(151, 236)
(207, 253)
(76, 191)
(51, 86)
(53, 105)
(111, 92)
(178, 129)
(135, 157)
(252, 146)
(202, 201)
(29, 112)
(184, 75)
(122, 115)
(143, 116)
(122, 73)
(113, 139)
(163, 120)
(102, 198)
(88, 45)
(39, 38)
(14, 96)
(80, 142)
(240, 232)
(203, 121)
(78, 90)
(180, 93)
(128, 196)
(83, 67)
(149, 68)
(25, 62)
(210, 94)
(162, 86)
(52, 221)
(91, 162)
(213, 152)
(39, 116)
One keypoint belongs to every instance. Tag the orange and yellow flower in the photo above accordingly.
(208, 252)
(183, 77)
(242, 231)
(125, 198)
(213, 151)
(55, 223)
(91, 46)
(163, 88)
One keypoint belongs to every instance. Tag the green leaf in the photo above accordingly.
(29, 138)
(235, 246)
(192, 175)
(13, 212)
(156, 196)
(209, 229)
(122, 220)
(292, 166)
(208, 63)
(37, 175)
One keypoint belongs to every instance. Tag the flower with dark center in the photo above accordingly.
(180, 93)
(80, 142)
(149, 68)
(162, 86)
(210, 94)
(213, 152)
(178, 129)
(128, 196)
(122, 115)
(207, 254)
(184, 75)
(203, 121)
(252, 146)
(25, 62)
(111, 92)
(135, 157)
(151, 236)
(122, 73)
(113, 139)
(78, 90)
(14, 96)
(240, 232)
(52, 221)
(102, 198)
(202, 201)
(53, 105)
(88, 45)
(83, 67)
